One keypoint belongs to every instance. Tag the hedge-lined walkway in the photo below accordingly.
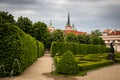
(34, 72)
(43, 65)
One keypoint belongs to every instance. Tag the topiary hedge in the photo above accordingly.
(94, 65)
(67, 64)
(17, 50)
(75, 48)
(40, 49)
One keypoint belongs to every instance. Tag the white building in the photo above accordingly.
(110, 35)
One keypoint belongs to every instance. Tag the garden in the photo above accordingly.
(84, 61)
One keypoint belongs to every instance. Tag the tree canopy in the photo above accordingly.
(25, 24)
(5, 17)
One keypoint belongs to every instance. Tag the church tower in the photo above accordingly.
(68, 25)
(50, 27)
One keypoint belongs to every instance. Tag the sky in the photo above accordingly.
(86, 15)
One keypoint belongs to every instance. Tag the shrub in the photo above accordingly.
(94, 65)
(76, 48)
(17, 47)
(67, 64)
(40, 48)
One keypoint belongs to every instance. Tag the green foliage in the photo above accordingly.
(67, 64)
(39, 31)
(93, 65)
(40, 48)
(15, 44)
(57, 36)
(90, 61)
(97, 40)
(76, 49)
(96, 32)
(25, 24)
(71, 38)
(5, 17)
(84, 39)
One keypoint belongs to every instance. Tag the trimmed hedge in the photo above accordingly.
(89, 63)
(67, 64)
(17, 49)
(61, 47)
(93, 65)
(40, 49)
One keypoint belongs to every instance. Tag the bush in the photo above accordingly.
(76, 49)
(67, 64)
(40, 48)
(17, 49)
(93, 65)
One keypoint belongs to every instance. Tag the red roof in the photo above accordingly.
(114, 33)
(107, 31)
(73, 31)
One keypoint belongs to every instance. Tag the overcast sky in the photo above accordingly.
(86, 15)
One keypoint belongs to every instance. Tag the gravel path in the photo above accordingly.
(105, 73)
(41, 69)
(34, 72)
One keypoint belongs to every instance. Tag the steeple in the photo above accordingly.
(68, 21)
(51, 23)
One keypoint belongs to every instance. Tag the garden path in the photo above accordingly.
(106, 73)
(34, 72)
(44, 65)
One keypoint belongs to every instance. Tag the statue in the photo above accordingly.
(111, 55)
(111, 47)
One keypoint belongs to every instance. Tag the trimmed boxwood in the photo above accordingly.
(40, 49)
(93, 65)
(16, 46)
(67, 64)
(76, 48)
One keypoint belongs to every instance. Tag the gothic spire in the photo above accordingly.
(68, 21)
(50, 22)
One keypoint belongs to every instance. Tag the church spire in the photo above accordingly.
(68, 21)
(51, 23)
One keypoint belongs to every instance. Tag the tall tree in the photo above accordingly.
(84, 39)
(40, 31)
(25, 24)
(5, 17)
(71, 38)
(96, 32)
(58, 36)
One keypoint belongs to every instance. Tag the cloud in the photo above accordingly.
(84, 13)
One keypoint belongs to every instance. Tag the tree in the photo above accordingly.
(40, 31)
(71, 38)
(84, 39)
(96, 32)
(100, 41)
(25, 24)
(97, 40)
(67, 64)
(57, 36)
(94, 40)
(5, 17)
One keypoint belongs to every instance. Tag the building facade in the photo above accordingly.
(110, 35)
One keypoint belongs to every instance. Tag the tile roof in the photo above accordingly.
(73, 31)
